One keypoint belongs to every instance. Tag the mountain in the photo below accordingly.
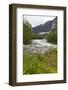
(46, 27)
(54, 24)
(37, 29)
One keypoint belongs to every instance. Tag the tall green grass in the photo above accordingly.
(40, 63)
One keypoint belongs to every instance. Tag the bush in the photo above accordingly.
(36, 36)
(52, 37)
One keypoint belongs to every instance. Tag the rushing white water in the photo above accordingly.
(39, 45)
(42, 43)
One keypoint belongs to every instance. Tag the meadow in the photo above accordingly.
(40, 63)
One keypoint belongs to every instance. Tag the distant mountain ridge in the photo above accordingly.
(46, 27)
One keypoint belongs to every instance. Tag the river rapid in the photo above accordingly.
(38, 46)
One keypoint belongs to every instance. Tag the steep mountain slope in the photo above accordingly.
(46, 27)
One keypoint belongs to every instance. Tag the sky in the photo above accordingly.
(35, 20)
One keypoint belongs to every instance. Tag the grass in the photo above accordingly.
(40, 63)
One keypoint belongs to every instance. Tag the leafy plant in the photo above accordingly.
(52, 37)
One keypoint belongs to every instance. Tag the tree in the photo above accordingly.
(52, 37)
(27, 33)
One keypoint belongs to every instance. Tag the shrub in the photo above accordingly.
(52, 37)
(36, 36)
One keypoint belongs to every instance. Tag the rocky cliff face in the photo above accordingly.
(46, 27)
(54, 24)
(37, 29)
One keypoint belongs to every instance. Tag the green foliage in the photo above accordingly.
(36, 36)
(40, 63)
(52, 37)
(27, 33)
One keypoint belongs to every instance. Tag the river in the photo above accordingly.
(39, 46)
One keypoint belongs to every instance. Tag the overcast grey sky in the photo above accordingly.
(37, 20)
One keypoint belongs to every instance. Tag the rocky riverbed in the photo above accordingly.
(38, 46)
